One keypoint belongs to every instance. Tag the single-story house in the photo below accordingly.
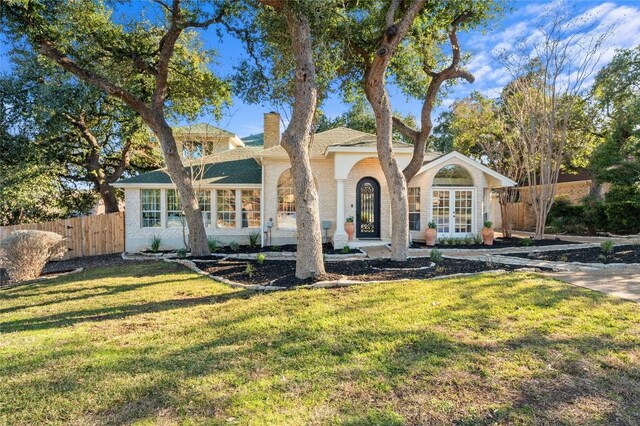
(246, 188)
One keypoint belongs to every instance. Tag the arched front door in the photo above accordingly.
(368, 208)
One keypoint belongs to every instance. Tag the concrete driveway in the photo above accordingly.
(623, 282)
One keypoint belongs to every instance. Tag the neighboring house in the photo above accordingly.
(571, 186)
(248, 187)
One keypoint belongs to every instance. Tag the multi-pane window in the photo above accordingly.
(251, 208)
(226, 208)
(175, 215)
(414, 209)
(204, 201)
(151, 207)
(286, 202)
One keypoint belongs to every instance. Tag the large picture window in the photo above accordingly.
(251, 208)
(226, 208)
(174, 209)
(151, 208)
(286, 202)
(414, 209)
(204, 201)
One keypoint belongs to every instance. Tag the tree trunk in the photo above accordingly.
(111, 204)
(197, 235)
(505, 212)
(295, 140)
(379, 100)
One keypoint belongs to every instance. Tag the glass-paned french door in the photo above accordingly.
(452, 211)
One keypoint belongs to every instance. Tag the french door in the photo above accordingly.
(452, 211)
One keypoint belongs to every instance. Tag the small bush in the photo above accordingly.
(234, 246)
(214, 244)
(260, 258)
(275, 248)
(345, 250)
(435, 255)
(254, 237)
(154, 244)
(477, 239)
(181, 252)
(23, 254)
(488, 224)
(526, 242)
(249, 270)
(563, 258)
(607, 247)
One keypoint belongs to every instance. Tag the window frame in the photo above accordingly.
(414, 214)
(156, 203)
(286, 212)
(255, 213)
(232, 212)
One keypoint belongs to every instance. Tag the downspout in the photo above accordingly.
(262, 200)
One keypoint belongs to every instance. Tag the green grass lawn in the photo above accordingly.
(155, 343)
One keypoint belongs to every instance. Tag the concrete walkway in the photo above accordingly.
(623, 283)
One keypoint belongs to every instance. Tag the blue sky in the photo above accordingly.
(244, 119)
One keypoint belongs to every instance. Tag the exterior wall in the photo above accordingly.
(137, 238)
(322, 171)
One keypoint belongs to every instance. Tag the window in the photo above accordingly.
(226, 208)
(414, 209)
(204, 201)
(251, 208)
(151, 208)
(174, 209)
(286, 202)
(453, 175)
(192, 149)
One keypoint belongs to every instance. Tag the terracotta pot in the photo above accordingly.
(350, 229)
(487, 236)
(431, 234)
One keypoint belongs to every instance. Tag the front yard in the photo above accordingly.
(152, 342)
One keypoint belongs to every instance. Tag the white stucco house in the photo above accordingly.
(245, 187)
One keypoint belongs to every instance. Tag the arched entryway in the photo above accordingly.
(368, 208)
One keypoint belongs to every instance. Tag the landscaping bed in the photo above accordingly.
(281, 273)
(498, 243)
(620, 254)
(87, 262)
(327, 248)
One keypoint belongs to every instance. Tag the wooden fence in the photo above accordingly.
(86, 235)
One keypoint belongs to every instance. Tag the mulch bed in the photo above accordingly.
(281, 273)
(327, 248)
(621, 254)
(498, 243)
(89, 262)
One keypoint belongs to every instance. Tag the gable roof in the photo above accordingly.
(235, 166)
(504, 181)
(201, 130)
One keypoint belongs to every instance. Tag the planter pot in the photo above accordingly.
(430, 235)
(350, 229)
(487, 236)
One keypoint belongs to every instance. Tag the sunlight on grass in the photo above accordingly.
(155, 343)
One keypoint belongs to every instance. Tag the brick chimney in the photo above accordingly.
(271, 129)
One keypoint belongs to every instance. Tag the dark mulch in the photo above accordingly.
(282, 272)
(499, 243)
(327, 248)
(621, 254)
(89, 262)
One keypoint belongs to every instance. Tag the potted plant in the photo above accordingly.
(431, 234)
(349, 227)
(487, 233)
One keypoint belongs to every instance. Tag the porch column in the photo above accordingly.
(340, 238)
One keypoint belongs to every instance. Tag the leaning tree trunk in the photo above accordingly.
(379, 100)
(180, 177)
(295, 140)
(111, 204)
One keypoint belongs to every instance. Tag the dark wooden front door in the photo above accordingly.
(368, 208)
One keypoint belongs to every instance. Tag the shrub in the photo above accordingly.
(260, 258)
(435, 255)
(488, 224)
(214, 244)
(253, 239)
(234, 246)
(181, 252)
(275, 248)
(345, 250)
(154, 244)
(622, 209)
(23, 254)
(477, 239)
(432, 225)
(249, 270)
(606, 247)
(526, 242)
